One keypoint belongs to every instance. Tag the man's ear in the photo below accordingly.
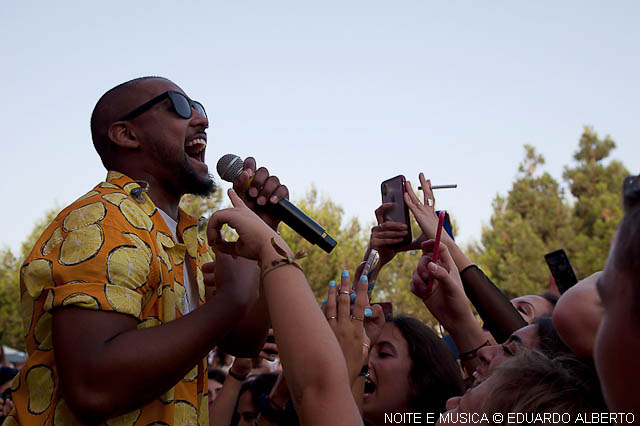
(121, 134)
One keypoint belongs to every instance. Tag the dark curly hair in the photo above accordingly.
(434, 370)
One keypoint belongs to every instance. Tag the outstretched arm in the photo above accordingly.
(322, 394)
(499, 316)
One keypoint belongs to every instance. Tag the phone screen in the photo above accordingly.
(561, 269)
(393, 192)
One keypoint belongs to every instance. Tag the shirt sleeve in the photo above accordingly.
(94, 257)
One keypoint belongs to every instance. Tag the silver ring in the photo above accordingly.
(353, 317)
(332, 317)
(344, 292)
(365, 345)
(429, 202)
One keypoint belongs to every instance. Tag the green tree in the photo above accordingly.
(597, 211)
(10, 317)
(320, 267)
(533, 219)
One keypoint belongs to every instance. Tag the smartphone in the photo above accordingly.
(370, 269)
(393, 192)
(387, 309)
(561, 269)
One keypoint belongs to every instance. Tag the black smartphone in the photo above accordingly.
(393, 192)
(387, 309)
(561, 269)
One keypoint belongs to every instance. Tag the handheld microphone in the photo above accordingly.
(229, 168)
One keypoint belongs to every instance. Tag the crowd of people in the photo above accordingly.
(132, 318)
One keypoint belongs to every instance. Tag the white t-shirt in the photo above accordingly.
(191, 292)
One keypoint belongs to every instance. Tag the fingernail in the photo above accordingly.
(353, 297)
(371, 285)
(368, 312)
(432, 267)
(262, 201)
(253, 192)
(324, 302)
(332, 283)
(273, 199)
(351, 308)
(345, 273)
(363, 278)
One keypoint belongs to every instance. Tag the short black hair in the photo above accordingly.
(550, 342)
(550, 297)
(216, 374)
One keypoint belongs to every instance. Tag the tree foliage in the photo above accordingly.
(537, 217)
(598, 207)
(534, 217)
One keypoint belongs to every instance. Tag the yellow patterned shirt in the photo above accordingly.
(110, 251)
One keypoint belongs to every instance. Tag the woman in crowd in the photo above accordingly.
(409, 368)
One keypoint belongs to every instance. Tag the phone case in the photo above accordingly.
(393, 192)
(561, 269)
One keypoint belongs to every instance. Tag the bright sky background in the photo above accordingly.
(337, 94)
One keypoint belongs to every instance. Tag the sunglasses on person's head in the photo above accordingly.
(182, 105)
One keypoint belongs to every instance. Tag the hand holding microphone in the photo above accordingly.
(265, 195)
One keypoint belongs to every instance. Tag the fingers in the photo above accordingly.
(445, 258)
(392, 234)
(413, 198)
(208, 273)
(362, 300)
(380, 211)
(208, 268)
(331, 308)
(235, 199)
(259, 180)
(344, 299)
(426, 190)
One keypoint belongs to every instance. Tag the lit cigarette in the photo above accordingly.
(453, 185)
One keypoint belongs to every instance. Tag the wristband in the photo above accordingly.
(286, 260)
(472, 353)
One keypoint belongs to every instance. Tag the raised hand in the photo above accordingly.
(253, 233)
(258, 188)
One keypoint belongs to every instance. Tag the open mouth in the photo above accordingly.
(195, 149)
(369, 386)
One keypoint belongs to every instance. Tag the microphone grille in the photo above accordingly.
(229, 167)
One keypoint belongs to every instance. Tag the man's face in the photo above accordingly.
(174, 146)
(492, 356)
(214, 387)
(618, 340)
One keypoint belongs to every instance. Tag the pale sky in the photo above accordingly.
(337, 94)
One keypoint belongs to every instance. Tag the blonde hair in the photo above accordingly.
(532, 383)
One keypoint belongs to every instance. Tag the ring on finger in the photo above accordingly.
(353, 317)
(365, 345)
(429, 202)
(344, 292)
(332, 317)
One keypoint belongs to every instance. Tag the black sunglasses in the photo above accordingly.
(182, 105)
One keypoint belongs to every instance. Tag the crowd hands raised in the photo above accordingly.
(384, 366)
(341, 363)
